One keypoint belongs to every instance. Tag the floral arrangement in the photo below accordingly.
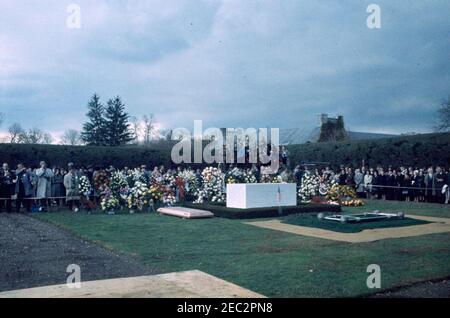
(190, 182)
(270, 178)
(109, 202)
(117, 182)
(212, 186)
(343, 195)
(101, 180)
(325, 186)
(138, 196)
(132, 176)
(169, 198)
(235, 175)
(84, 186)
(249, 177)
(309, 187)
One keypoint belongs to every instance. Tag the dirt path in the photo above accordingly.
(34, 253)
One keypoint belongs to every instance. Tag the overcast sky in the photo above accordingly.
(230, 63)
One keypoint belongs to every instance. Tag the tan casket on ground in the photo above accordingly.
(185, 213)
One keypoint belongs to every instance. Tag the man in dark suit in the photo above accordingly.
(7, 188)
(23, 188)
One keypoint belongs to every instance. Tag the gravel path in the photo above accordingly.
(34, 253)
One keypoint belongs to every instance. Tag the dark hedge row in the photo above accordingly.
(57, 155)
(420, 150)
(417, 150)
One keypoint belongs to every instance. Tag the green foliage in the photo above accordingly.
(157, 154)
(94, 130)
(417, 150)
(117, 130)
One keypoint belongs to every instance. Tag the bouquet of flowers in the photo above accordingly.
(309, 187)
(249, 177)
(117, 182)
(325, 186)
(133, 176)
(101, 180)
(343, 195)
(138, 196)
(212, 188)
(109, 202)
(235, 175)
(84, 186)
(190, 182)
(169, 179)
(169, 198)
(270, 178)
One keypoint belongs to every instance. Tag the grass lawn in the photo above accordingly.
(269, 262)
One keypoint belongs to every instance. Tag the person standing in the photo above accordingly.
(368, 179)
(23, 188)
(44, 184)
(72, 191)
(359, 183)
(440, 181)
(7, 187)
(57, 182)
(430, 186)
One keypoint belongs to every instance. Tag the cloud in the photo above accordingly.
(231, 63)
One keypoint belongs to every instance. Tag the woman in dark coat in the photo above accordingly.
(58, 190)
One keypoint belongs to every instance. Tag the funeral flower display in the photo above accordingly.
(309, 188)
(101, 181)
(191, 185)
(343, 195)
(109, 202)
(117, 182)
(84, 186)
(249, 177)
(139, 196)
(235, 175)
(212, 186)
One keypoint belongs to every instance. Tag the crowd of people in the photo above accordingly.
(43, 186)
(404, 183)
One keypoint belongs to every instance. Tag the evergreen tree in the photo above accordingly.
(93, 133)
(117, 127)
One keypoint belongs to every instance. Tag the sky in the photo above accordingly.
(252, 63)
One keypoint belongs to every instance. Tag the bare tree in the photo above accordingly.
(47, 138)
(71, 137)
(443, 120)
(149, 127)
(15, 130)
(136, 128)
(32, 136)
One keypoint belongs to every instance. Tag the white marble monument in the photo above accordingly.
(261, 195)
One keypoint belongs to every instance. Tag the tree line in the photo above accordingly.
(111, 125)
(106, 125)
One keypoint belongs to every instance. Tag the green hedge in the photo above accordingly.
(230, 213)
(86, 155)
(420, 150)
(417, 150)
